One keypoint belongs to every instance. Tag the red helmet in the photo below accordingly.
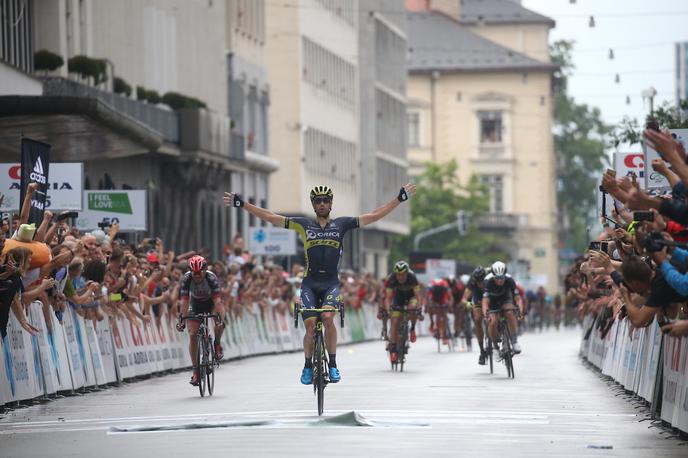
(197, 263)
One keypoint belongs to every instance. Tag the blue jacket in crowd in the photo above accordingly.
(676, 279)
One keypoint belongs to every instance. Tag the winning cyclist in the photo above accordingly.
(322, 242)
(473, 295)
(500, 292)
(200, 293)
(403, 290)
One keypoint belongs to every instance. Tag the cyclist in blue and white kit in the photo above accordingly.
(322, 241)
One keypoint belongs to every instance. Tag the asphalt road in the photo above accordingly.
(441, 405)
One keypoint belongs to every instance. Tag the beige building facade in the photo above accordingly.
(337, 78)
(489, 107)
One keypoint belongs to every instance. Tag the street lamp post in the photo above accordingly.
(460, 224)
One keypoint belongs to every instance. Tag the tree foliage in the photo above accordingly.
(88, 67)
(439, 197)
(668, 116)
(47, 60)
(579, 141)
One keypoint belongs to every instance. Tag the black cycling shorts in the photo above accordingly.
(316, 295)
(499, 303)
(196, 306)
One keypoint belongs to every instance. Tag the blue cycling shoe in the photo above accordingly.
(334, 375)
(307, 376)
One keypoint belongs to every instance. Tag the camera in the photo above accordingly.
(104, 225)
(599, 246)
(654, 242)
(652, 124)
(66, 215)
(643, 216)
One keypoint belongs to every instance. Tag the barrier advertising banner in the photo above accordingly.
(65, 188)
(627, 164)
(271, 241)
(125, 207)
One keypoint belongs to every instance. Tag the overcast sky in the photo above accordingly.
(642, 34)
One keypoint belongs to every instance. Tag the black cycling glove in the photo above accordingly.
(403, 195)
(237, 201)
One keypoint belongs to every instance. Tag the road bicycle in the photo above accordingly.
(320, 366)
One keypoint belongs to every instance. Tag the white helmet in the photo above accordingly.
(499, 269)
(465, 278)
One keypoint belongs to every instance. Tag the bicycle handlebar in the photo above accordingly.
(200, 316)
(299, 311)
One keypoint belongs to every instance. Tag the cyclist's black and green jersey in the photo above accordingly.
(499, 294)
(405, 292)
(322, 246)
(323, 250)
(476, 292)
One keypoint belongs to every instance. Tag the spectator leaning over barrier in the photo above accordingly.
(14, 264)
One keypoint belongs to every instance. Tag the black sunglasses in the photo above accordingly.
(322, 200)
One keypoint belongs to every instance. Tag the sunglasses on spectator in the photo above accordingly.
(322, 200)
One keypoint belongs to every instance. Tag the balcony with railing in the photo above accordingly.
(163, 121)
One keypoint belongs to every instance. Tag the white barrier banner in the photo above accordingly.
(84, 350)
(59, 355)
(74, 349)
(681, 408)
(24, 377)
(5, 391)
(107, 349)
(48, 370)
(95, 355)
(671, 374)
(124, 370)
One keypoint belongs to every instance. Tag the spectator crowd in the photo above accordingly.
(98, 274)
(637, 267)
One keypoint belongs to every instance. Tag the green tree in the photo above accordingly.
(666, 115)
(439, 197)
(579, 142)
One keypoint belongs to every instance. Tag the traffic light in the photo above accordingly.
(462, 222)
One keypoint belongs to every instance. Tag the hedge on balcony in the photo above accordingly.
(46, 60)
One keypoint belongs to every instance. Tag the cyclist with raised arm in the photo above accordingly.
(403, 294)
(500, 294)
(322, 242)
(200, 293)
(473, 298)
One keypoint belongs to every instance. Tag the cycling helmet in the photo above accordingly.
(321, 191)
(439, 282)
(464, 279)
(499, 269)
(479, 274)
(401, 267)
(197, 263)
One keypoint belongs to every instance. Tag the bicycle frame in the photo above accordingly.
(507, 351)
(205, 353)
(320, 363)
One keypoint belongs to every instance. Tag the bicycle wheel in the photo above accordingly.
(319, 379)
(201, 364)
(489, 354)
(508, 352)
(210, 372)
(403, 329)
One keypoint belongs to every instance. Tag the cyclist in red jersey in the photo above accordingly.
(439, 299)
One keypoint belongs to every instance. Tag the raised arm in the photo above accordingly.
(404, 194)
(231, 199)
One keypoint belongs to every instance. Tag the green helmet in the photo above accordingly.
(321, 191)
(401, 267)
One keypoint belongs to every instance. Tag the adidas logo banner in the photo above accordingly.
(35, 162)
